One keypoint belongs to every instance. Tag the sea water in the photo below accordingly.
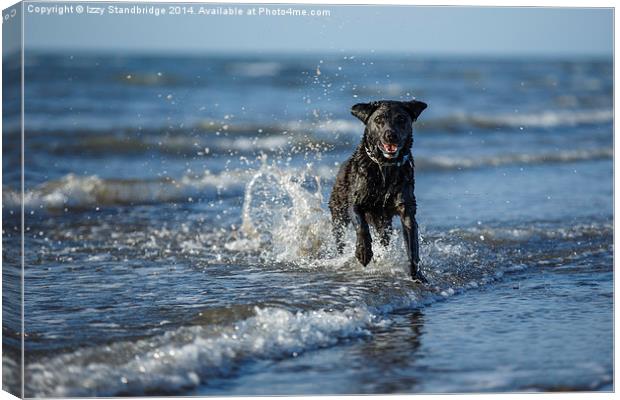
(178, 240)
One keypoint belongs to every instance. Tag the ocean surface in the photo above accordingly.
(177, 236)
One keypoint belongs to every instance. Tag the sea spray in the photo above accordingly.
(285, 217)
(281, 214)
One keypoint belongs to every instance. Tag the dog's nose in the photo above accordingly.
(390, 136)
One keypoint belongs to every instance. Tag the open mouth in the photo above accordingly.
(389, 150)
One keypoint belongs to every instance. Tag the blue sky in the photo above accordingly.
(402, 29)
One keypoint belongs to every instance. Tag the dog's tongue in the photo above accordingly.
(390, 148)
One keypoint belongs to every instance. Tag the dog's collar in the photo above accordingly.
(400, 163)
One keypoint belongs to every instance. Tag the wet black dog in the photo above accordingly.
(377, 182)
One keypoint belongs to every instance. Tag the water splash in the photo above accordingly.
(283, 213)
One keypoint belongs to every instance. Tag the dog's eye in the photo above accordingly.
(378, 119)
(400, 120)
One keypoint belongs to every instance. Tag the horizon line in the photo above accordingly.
(310, 52)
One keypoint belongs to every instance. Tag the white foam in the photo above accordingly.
(11, 374)
(518, 234)
(183, 358)
(90, 191)
(545, 119)
(444, 162)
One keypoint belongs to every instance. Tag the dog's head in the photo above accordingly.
(389, 129)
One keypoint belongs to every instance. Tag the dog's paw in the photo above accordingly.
(363, 253)
(418, 277)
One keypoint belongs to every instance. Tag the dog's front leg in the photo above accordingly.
(410, 232)
(363, 246)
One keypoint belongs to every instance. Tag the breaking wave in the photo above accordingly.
(183, 358)
(90, 191)
(566, 156)
(86, 191)
(545, 119)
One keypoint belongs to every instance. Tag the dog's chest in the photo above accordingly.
(380, 187)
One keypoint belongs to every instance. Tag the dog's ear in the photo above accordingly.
(364, 110)
(414, 108)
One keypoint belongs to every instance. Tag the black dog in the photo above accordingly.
(377, 182)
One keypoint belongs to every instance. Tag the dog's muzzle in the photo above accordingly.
(389, 150)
